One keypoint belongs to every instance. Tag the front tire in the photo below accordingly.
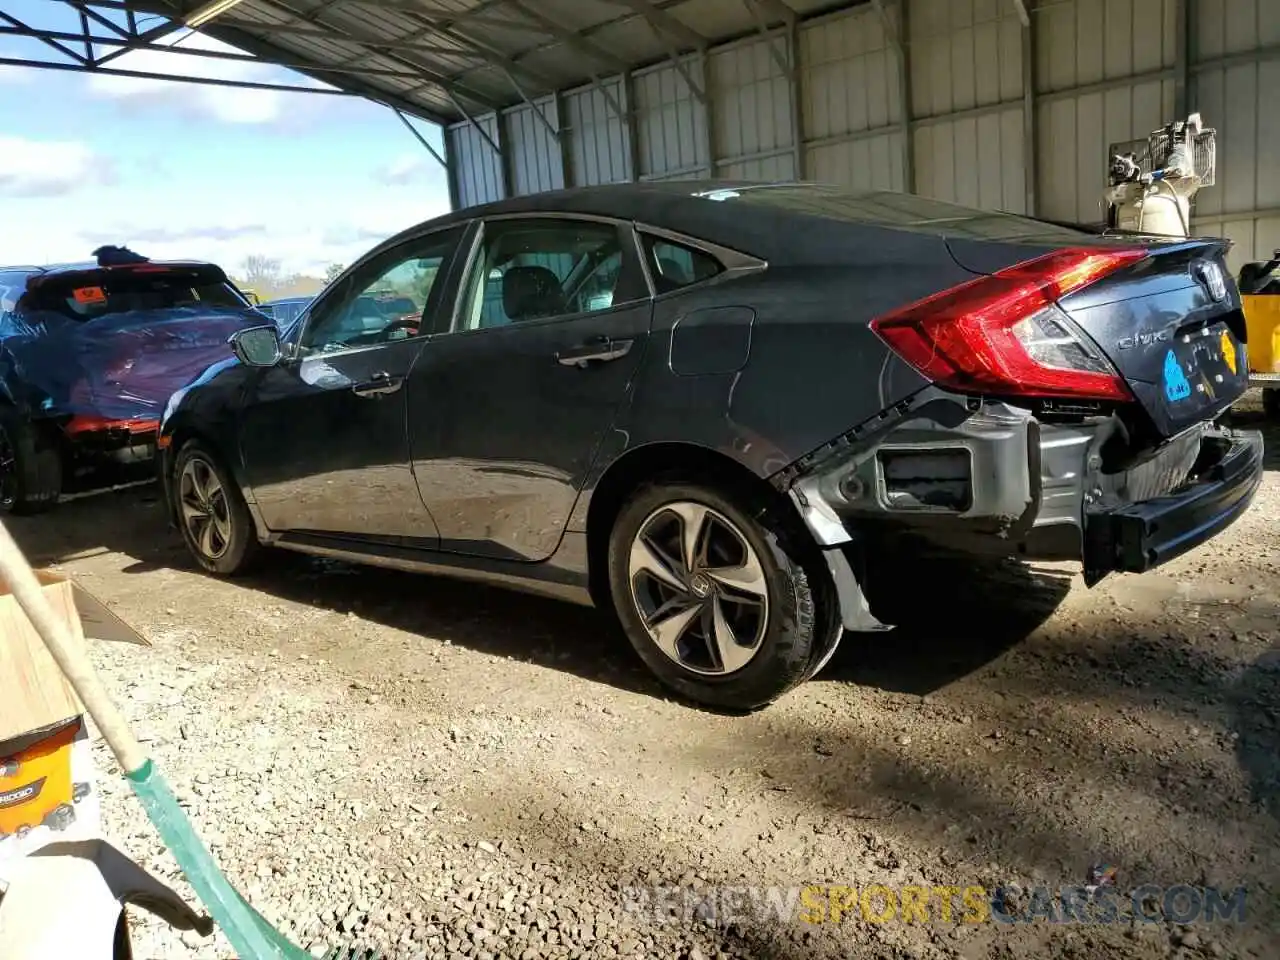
(211, 512)
(718, 595)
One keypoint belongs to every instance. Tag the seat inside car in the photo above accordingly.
(529, 292)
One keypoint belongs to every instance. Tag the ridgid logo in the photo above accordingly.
(12, 798)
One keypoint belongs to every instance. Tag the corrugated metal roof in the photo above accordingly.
(446, 59)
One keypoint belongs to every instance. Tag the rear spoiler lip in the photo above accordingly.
(214, 272)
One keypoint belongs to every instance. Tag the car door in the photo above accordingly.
(323, 434)
(507, 409)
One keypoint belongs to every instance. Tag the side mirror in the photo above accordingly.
(257, 346)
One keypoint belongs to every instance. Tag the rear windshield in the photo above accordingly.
(87, 296)
(901, 210)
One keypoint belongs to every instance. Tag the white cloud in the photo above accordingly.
(49, 168)
(409, 168)
(227, 104)
(304, 241)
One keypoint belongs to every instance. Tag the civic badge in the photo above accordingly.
(1211, 276)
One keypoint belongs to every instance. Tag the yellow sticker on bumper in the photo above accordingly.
(1228, 351)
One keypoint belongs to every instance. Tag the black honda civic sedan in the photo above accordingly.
(714, 407)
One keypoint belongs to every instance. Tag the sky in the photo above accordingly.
(182, 170)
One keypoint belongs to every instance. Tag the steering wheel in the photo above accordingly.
(410, 321)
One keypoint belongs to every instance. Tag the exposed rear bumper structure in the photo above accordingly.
(954, 476)
(1143, 535)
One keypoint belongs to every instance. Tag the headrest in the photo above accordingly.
(531, 292)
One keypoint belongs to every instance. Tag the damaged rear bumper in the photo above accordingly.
(959, 477)
(1139, 536)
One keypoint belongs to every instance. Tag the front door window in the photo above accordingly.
(383, 302)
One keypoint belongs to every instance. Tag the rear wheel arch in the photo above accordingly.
(667, 462)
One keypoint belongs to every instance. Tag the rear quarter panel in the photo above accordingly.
(814, 369)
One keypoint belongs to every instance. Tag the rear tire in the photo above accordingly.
(211, 512)
(30, 467)
(718, 595)
(1271, 403)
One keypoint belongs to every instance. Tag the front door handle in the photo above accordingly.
(379, 385)
(601, 350)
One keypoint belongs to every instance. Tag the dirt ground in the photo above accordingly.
(446, 769)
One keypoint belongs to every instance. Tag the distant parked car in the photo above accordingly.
(716, 407)
(285, 310)
(89, 355)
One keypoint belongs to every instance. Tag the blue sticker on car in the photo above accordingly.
(1176, 385)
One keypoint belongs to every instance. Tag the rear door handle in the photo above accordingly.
(601, 350)
(379, 385)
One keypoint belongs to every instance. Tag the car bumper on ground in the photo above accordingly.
(963, 478)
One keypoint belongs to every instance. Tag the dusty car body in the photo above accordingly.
(712, 407)
(89, 354)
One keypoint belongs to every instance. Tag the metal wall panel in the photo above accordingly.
(1074, 133)
(1104, 71)
(752, 108)
(670, 123)
(973, 160)
(1253, 238)
(1233, 26)
(478, 168)
(1080, 42)
(598, 148)
(533, 152)
(1239, 101)
(1124, 50)
(964, 54)
(865, 163)
(850, 80)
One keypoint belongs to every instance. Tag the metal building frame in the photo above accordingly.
(475, 67)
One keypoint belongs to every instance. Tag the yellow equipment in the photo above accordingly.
(1260, 296)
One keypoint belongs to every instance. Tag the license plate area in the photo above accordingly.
(1202, 369)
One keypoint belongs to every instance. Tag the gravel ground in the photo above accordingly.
(444, 770)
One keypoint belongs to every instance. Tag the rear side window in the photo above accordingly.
(674, 265)
(90, 295)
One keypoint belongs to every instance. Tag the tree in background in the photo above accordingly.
(263, 275)
(332, 271)
(260, 273)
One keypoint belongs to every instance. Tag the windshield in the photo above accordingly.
(90, 295)
(901, 210)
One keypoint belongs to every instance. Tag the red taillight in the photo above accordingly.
(1005, 334)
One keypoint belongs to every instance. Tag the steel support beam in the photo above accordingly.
(421, 139)
(796, 83)
(1030, 158)
(630, 129)
(664, 23)
(66, 51)
(710, 142)
(1181, 57)
(484, 134)
(896, 32)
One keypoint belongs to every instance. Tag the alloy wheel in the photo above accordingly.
(699, 588)
(205, 510)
